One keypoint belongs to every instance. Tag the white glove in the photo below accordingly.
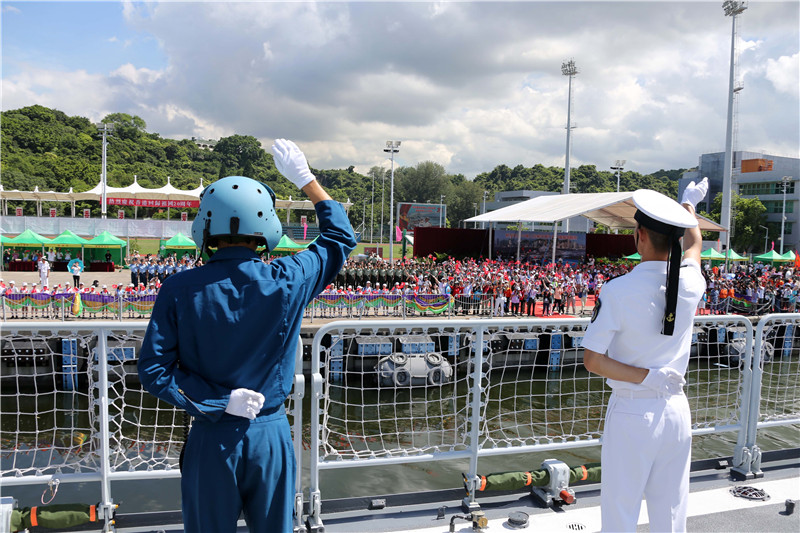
(693, 193)
(664, 380)
(291, 162)
(245, 403)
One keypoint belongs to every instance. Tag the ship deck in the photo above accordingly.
(712, 507)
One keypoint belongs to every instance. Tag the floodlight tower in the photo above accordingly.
(569, 69)
(392, 147)
(785, 184)
(105, 129)
(732, 8)
(619, 164)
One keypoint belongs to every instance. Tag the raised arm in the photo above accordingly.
(692, 239)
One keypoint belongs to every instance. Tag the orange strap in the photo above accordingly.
(528, 478)
(585, 473)
(483, 483)
(34, 522)
(92, 513)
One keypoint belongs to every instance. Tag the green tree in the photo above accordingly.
(126, 126)
(239, 154)
(748, 215)
(423, 183)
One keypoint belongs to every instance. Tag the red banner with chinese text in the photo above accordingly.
(140, 202)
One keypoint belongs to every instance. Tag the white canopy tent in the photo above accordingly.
(167, 192)
(612, 209)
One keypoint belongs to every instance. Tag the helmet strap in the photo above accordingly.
(206, 238)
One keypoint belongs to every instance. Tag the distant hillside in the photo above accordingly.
(46, 148)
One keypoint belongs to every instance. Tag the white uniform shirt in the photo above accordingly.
(628, 323)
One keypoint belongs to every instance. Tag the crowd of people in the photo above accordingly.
(561, 288)
(495, 287)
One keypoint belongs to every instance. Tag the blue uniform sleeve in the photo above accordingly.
(326, 255)
(160, 372)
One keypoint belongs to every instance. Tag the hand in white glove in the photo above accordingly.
(693, 193)
(664, 380)
(291, 162)
(245, 403)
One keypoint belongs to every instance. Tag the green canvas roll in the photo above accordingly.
(53, 516)
(589, 472)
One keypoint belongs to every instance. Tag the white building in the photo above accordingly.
(756, 175)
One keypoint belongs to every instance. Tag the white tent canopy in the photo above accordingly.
(612, 209)
(167, 192)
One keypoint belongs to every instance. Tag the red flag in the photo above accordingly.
(398, 233)
(305, 231)
(773, 245)
(796, 259)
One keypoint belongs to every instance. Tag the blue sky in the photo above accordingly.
(469, 85)
(92, 36)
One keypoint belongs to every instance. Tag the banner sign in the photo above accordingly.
(87, 213)
(19, 211)
(538, 246)
(184, 216)
(52, 212)
(120, 214)
(410, 216)
(139, 202)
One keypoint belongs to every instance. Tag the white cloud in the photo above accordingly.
(469, 85)
(784, 73)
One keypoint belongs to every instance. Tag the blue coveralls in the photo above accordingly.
(234, 323)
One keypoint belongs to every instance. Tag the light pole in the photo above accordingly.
(392, 147)
(732, 8)
(785, 183)
(475, 205)
(766, 236)
(383, 188)
(618, 165)
(106, 129)
(483, 211)
(568, 68)
(372, 212)
(441, 210)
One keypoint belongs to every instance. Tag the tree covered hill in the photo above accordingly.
(46, 148)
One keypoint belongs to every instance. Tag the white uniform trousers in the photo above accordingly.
(646, 451)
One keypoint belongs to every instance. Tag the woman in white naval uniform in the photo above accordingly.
(639, 339)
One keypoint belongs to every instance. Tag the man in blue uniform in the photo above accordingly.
(221, 344)
(639, 339)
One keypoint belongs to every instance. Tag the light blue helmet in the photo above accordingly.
(237, 205)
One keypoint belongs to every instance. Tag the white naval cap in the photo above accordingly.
(661, 209)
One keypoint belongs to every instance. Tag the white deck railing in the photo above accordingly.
(74, 411)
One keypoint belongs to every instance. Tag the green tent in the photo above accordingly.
(633, 257)
(287, 246)
(712, 254)
(27, 238)
(789, 256)
(180, 241)
(105, 240)
(772, 257)
(110, 243)
(733, 256)
(67, 239)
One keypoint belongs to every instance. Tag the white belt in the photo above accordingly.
(630, 393)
